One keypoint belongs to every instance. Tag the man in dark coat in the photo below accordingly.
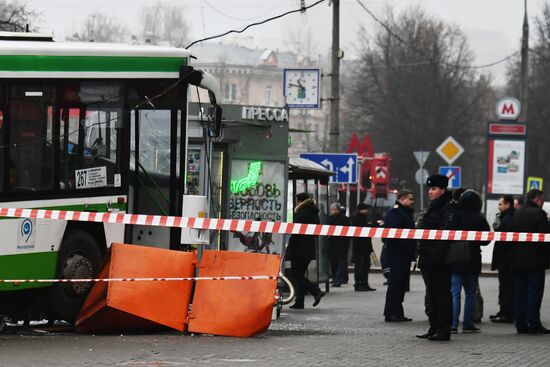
(465, 274)
(436, 273)
(301, 250)
(530, 261)
(338, 247)
(502, 261)
(362, 248)
(399, 253)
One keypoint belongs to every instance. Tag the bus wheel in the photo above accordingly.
(78, 258)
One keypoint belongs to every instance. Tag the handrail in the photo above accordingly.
(163, 212)
(292, 295)
(152, 180)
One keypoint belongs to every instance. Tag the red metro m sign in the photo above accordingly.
(508, 108)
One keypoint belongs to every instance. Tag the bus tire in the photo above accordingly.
(79, 257)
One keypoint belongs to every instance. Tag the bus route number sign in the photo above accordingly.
(91, 177)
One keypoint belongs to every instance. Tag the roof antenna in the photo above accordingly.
(27, 28)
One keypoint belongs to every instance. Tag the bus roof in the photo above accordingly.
(40, 59)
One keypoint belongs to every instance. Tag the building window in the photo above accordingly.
(230, 92)
(268, 95)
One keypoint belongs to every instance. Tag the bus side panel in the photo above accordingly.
(114, 233)
(39, 265)
(28, 250)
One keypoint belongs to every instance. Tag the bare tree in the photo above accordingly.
(100, 28)
(412, 88)
(164, 23)
(538, 83)
(303, 45)
(16, 17)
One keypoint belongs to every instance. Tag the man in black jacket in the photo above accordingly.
(400, 253)
(436, 273)
(502, 261)
(338, 247)
(301, 250)
(530, 261)
(362, 248)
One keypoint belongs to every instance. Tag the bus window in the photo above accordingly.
(154, 140)
(31, 147)
(89, 135)
(2, 150)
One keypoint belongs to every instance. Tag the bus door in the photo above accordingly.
(155, 163)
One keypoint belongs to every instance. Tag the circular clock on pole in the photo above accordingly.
(301, 88)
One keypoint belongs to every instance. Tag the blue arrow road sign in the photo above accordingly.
(455, 175)
(343, 165)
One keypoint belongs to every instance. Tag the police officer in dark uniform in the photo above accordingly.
(502, 261)
(436, 273)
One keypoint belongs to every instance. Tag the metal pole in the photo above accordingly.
(422, 193)
(524, 64)
(348, 212)
(335, 77)
(358, 186)
(305, 127)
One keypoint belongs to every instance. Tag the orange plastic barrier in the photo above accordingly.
(234, 307)
(115, 306)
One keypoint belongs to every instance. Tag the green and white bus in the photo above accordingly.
(89, 127)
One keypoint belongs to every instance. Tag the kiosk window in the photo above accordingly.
(194, 172)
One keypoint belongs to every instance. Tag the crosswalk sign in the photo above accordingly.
(534, 183)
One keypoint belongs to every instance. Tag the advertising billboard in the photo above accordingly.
(506, 168)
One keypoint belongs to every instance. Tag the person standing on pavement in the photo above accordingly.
(400, 254)
(530, 261)
(502, 261)
(436, 273)
(301, 250)
(465, 274)
(362, 248)
(338, 246)
(518, 202)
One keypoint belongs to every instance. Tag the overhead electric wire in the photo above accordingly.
(415, 49)
(299, 10)
(241, 19)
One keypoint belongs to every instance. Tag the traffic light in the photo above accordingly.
(366, 179)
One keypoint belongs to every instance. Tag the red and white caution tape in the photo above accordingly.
(239, 225)
(110, 280)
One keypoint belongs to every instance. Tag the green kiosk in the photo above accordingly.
(242, 168)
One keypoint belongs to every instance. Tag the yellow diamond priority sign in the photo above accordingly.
(450, 150)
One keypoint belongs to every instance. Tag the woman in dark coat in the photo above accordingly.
(301, 250)
(465, 274)
(400, 253)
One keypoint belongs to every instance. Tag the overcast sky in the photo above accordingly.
(493, 27)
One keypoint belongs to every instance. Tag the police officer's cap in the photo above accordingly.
(437, 181)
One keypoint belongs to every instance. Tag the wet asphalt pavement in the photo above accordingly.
(346, 329)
